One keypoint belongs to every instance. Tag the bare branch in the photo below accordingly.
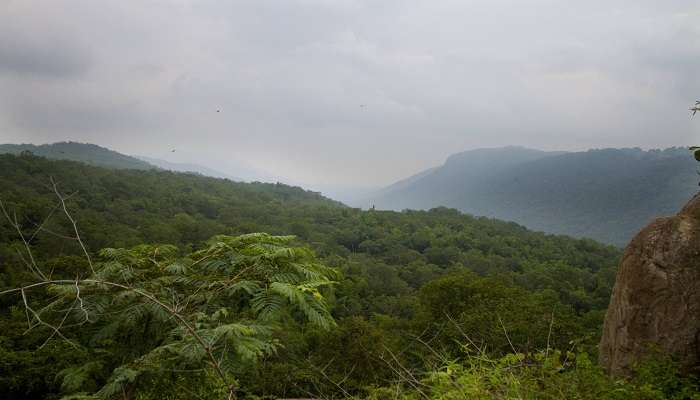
(32, 265)
(40, 321)
(549, 335)
(75, 225)
(506, 333)
(57, 329)
(40, 226)
(336, 384)
(190, 329)
(403, 373)
(481, 350)
(43, 222)
(56, 234)
(80, 301)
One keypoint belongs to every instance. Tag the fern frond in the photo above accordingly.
(121, 377)
(74, 378)
(248, 287)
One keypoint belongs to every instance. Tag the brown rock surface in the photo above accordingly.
(656, 298)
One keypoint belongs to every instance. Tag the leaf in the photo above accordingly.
(120, 378)
(75, 378)
(249, 287)
(176, 268)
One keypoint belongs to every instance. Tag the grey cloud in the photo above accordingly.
(46, 62)
(290, 77)
(81, 116)
(40, 55)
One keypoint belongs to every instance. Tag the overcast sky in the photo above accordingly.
(351, 92)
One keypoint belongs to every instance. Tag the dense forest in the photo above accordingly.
(83, 152)
(101, 156)
(606, 194)
(411, 304)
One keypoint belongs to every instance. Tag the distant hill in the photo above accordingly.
(130, 206)
(184, 167)
(103, 157)
(83, 152)
(607, 194)
(438, 186)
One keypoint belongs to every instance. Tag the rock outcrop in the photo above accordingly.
(656, 299)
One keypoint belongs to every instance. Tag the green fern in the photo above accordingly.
(151, 311)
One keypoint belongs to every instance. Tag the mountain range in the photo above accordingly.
(83, 152)
(605, 194)
(93, 154)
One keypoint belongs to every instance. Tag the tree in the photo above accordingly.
(146, 310)
(493, 313)
(695, 149)
(382, 279)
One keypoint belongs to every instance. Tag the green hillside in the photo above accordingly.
(83, 152)
(607, 195)
(405, 279)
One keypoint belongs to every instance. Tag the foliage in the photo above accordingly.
(495, 314)
(543, 375)
(146, 311)
(83, 152)
(400, 272)
(604, 194)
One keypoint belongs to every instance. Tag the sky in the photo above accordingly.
(352, 93)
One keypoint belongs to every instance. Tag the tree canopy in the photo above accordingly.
(353, 299)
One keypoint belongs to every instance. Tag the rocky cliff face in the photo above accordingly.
(656, 299)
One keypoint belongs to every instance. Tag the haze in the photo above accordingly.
(355, 93)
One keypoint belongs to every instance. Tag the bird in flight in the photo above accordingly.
(696, 108)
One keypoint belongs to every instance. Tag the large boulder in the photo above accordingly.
(655, 303)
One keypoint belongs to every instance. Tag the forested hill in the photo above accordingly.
(607, 195)
(401, 273)
(128, 207)
(124, 207)
(436, 186)
(84, 152)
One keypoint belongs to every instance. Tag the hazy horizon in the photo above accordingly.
(349, 93)
(338, 191)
